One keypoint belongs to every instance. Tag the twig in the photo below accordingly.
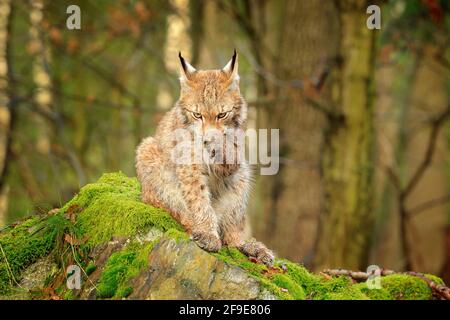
(442, 60)
(440, 290)
(428, 205)
(356, 275)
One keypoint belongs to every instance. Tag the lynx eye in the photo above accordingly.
(222, 115)
(197, 115)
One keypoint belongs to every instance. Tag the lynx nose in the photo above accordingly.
(209, 146)
(208, 141)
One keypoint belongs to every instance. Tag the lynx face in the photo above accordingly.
(212, 107)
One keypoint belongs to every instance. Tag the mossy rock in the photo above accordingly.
(129, 250)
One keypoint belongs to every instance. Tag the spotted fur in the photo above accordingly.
(209, 200)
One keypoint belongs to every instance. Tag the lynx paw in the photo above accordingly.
(207, 241)
(259, 251)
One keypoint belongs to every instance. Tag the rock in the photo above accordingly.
(128, 250)
(35, 275)
(184, 271)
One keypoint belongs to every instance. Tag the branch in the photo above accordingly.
(439, 289)
(332, 115)
(439, 57)
(426, 161)
(404, 192)
(355, 275)
(428, 205)
(394, 178)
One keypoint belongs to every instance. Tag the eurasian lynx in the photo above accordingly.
(209, 199)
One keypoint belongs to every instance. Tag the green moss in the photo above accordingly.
(350, 294)
(112, 207)
(320, 288)
(289, 285)
(434, 278)
(177, 235)
(18, 294)
(284, 287)
(374, 294)
(235, 257)
(311, 283)
(124, 291)
(25, 244)
(399, 287)
(90, 268)
(114, 273)
(121, 267)
(339, 288)
(406, 287)
(68, 295)
(293, 281)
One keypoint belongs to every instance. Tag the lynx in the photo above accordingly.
(208, 199)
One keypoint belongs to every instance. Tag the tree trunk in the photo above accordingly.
(346, 225)
(291, 199)
(8, 102)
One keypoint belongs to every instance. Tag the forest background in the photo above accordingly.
(363, 114)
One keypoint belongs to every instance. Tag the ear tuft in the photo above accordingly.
(187, 70)
(231, 68)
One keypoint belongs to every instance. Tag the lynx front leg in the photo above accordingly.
(196, 195)
(253, 248)
(231, 209)
(233, 236)
(159, 185)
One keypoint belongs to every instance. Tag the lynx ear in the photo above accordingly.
(186, 69)
(231, 68)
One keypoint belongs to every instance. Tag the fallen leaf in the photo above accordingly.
(326, 276)
(71, 240)
(272, 270)
(53, 211)
(71, 213)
